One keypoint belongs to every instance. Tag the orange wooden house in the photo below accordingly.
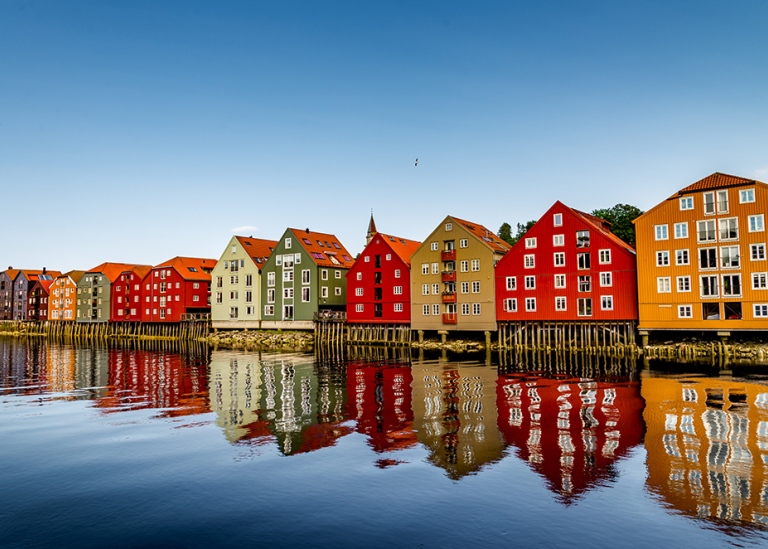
(701, 258)
(62, 301)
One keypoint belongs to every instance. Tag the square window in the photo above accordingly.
(683, 283)
(681, 230)
(662, 258)
(530, 304)
(663, 285)
(684, 311)
(530, 261)
(757, 252)
(558, 240)
(557, 220)
(755, 223)
(561, 304)
(686, 203)
(662, 232)
(560, 281)
(759, 281)
(746, 195)
(511, 283)
(530, 282)
(530, 243)
(681, 257)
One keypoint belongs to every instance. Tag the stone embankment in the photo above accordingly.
(249, 339)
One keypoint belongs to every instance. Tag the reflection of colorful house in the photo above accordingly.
(454, 413)
(379, 400)
(570, 430)
(707, 445)
(149, 379)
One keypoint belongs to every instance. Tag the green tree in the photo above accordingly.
(620, 217)
(505, 232)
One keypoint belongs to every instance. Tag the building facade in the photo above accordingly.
(178, 289)
(304, 276)
(37, 300)
(567, 267)
(452, 278)
(95, 292)
(62, 305)
(701, 257)
(379, 282)
(237, 283)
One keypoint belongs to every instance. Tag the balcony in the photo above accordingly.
(450, 318)
(448, 255)
(449, 297)
(449, 276)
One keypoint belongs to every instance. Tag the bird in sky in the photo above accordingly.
(417, 162)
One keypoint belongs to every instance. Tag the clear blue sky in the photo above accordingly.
(136, 131)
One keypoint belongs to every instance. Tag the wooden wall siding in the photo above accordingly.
(660, 310)
(61, 302)
(86, 296)
(6, 296)
(540, 253)
(227, 292)
(485, 298)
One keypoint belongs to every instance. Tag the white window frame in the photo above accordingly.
(756, 223)
(681, 230)
(511, 283)
(746, 196)
(683, 283)
(530, 282)
(606, 302)
(663, 285)
(560, 281)
(529, 261)
(559, 259)
(561, 303)
(682, 254)
(757, 251)
(558, 240)
(530, 243)
(686, 203)
(606, 279)
(557, 220)
(530, 304)
(685, 311)
(661, 232)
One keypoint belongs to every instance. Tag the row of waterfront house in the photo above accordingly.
(700, 264)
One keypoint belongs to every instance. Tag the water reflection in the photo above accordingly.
(707, 445)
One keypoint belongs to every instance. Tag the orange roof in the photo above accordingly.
(46, 284)
(34, 274)
(716, 181)
(402, 247)
(74, 275)
(257, 249)
(486, 236)
(12, 273)
(191, 268)
(601, 225)
(113, 270)
(323, 248)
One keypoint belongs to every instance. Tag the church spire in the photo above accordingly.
(371, 229)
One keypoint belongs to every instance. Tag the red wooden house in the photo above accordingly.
(37, 306)
(125, 305)
(567, 267)
(379, 282)
(179, 287)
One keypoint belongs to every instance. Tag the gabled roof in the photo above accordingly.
(716, 181)
(191, 268)
(486, 236)
(257, 249)
(35, 274)
(402, 247)
(323, 248)
(114, 270)
(74, 275)
(12, 273)
(46, 284)
(600, 225)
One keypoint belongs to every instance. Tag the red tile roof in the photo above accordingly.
(191, 268)
(34, 274)
(257, 249)
(603, 226)
(716, 181)
(485, 235)
(404, 248)
(74, 275)
(114, 270)
(323, 248)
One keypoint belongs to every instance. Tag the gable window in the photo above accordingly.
(709, 203)
(606, 279)
(662, 232)
(271, 278)
(449, 226)
(746, 196)
(604, 257)
(287, 243)
(511, 283)
(681, 230)
(530, 243)
(557, 220)
(686, 203)
(433, 246)
(463, 243)
(475, 264)
(530, 261)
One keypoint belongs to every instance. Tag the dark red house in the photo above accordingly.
(37, 306)
(126, 302)
(567, 267)
(177, 288)
(379, 282)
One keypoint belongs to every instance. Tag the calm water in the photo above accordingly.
(108, 447)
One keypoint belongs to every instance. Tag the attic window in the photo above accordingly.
(318, 255)
(319, 243)
(391, 238)
(328, 245)
(247, 243)
(334, 260)
(346, 258)
(306, 241)
(192, 269)
(336, 245)
(402, 241)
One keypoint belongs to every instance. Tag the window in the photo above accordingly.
(358, 291)
(475, 286)
(476, 309)
(683, 283)
(663, 285)
(425, 289)
(530, 304)
(288, 293)
(560, 281)
(561, 304)
(269, 310)
(684, 311)
(606, 303)
(606, 280)
(582, 239)
(324, 291)
(584, 306)
(287, 243)
(425, 268)
(465, 287)
(510, 305)
(359, 308)
(759, 281)
(367, 259)
(397, 273)
(465, 309)
(583, 261)
(388, 257)
(435, 289)
(397, 290)
(661, 232)
(435, 268)
(287, 276)
(755, 223)
(435, 309)
(305, 295)
(729, 257)
(248, 297)
(530, 243)
(511, 283)
(463, 243)
(398, 307)
(530, 282)
(425, 310)
(337, 290)
(707, 258)
(709, 203)
(681, 257)
(722, 201)
(681, 230)
(449, 226)
(662, 258)
(760, 310)
(433, 246)
(271, 278)
(732, 285)
(706, 231)
(686, 203)
(585, 283)
(604, 257)
(559, 259)
(709, 286)
(530, 261)
(757, 252)
(558, 240)
(271, 295)
(337, 274)
(746, 195)
(729, 228)
(464, 265)
(324, 274)
(232, 295)
(475, 264)
(219, 297)
(557, 220)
